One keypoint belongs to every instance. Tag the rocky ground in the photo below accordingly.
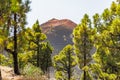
(8, 74)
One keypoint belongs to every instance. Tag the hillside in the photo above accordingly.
(59, 32)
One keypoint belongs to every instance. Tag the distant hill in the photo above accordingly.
(59, 32)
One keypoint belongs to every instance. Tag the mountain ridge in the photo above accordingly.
(52, 23)
(58, 32)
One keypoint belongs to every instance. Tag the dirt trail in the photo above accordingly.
(8, 74)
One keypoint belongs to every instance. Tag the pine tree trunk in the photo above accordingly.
(16, 69)
(84, 66)
(69, 68)
(15, 57)
(85, 36)
(84, 75)
(38, 60)
(47, 63)
(0, 75)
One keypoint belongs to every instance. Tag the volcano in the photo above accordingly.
(59, 32)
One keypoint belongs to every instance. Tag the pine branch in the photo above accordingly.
(9, 50)
(114, 47)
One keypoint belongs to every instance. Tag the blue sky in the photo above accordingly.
(44, 10)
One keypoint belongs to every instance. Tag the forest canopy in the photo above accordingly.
(95, 51)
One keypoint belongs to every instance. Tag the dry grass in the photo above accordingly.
(24, 78)
(35, 78)
(8, 74)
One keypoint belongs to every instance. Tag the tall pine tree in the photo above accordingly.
(37, 43)
(107, 43)
(64, 63)
(83, 38)
(14, 15)
(35, 38)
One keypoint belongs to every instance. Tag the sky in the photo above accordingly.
(44, 10)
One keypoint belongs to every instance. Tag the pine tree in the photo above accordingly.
(83, 38)
(14, 15)
(64, 63)
(46, 60)
(1, 27)
(107, 43)
(42, 49)
(35, 38)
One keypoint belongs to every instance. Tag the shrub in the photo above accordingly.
(32, 72)
(5, 61)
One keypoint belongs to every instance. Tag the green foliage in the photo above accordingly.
(107, 43)
(64, 63)
(45, 57)
(59, 75)
(89, 77)
(12, 22)
(31, 70)
(35, 36)
(43, 50)
(5, 61)
(1, 43)
(83, 41)
(84, 38)
(100, 74)
(24, 58)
